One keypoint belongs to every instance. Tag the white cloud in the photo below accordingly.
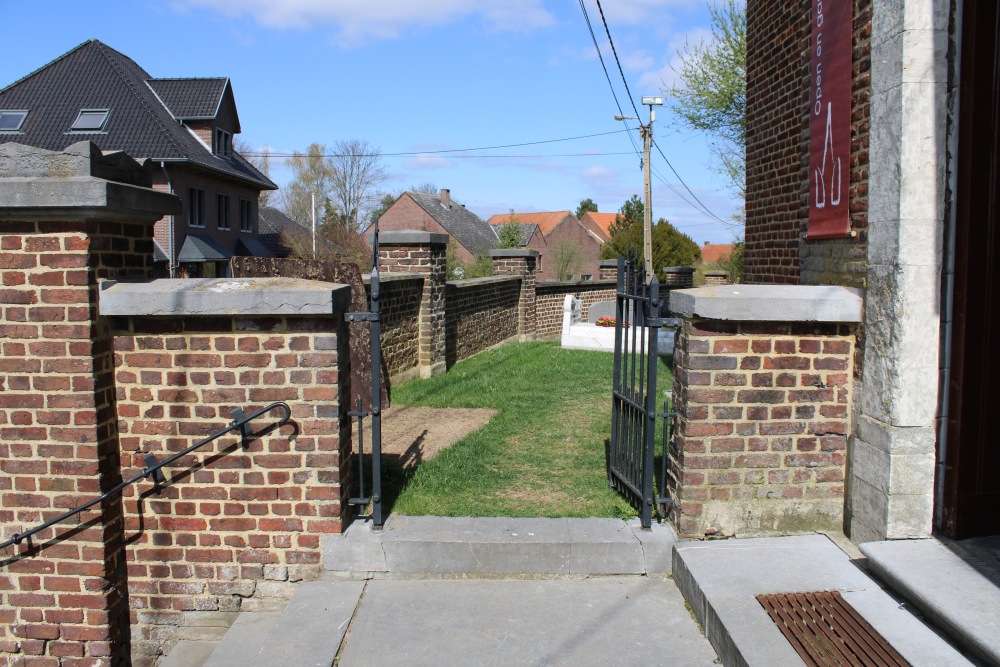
(428, 161)
(665, 75)
(357, 21)
(634, 12)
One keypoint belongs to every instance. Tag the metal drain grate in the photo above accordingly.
(827, 632)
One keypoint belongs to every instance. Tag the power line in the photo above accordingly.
(450, 157)
(607, 76)
(444, 150)
(613, 51)
(704, 208)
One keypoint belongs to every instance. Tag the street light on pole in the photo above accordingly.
(647, 222)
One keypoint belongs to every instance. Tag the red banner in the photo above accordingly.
(830, 120)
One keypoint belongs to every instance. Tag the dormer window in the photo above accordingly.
(91, 120)
(12, 120)
(223, 143)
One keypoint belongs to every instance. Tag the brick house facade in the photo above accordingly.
(441, 215)
(184, 127)
(568, 245)
(922, 245)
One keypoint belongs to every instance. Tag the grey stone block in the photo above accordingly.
(224, 296)
(943, 581)
(721, 579)
(410, 237)
(243, 641)
(769, 303)
(310, 630)
(188, 654)
(602, 621)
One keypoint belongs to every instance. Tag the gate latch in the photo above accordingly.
(669, 322)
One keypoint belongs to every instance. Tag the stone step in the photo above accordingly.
(721, 579)
(308, 633)
(957, 591)
(189, 653)
(501, 546)
(240, 645)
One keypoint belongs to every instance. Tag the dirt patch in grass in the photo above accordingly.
(413, 434)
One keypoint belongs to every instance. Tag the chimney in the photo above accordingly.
(445, 198)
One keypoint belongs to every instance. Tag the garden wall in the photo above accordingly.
(480, 313)
(550, 297)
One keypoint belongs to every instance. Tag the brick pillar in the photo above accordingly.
(678, 277)
(608, 269)
(716, 277)
(422, 253)
(520, 263)
(763, 382)
(62, 228)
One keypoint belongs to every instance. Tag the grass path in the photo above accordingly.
(543, 454)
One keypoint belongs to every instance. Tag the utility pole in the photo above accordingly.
(647, 208)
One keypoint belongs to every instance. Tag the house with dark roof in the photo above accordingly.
(568, 249)
(280, 234)
(438, 213)
(185, 126)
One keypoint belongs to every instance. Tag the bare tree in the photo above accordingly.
(259, 158)
(356, 171)
(567, 259)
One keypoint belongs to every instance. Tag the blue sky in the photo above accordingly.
(421, 75)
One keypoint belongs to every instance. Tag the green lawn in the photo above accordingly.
(543, 454)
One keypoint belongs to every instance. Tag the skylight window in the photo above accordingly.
(11, 121)
(91, 120)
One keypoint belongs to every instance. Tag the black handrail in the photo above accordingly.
(240, 420)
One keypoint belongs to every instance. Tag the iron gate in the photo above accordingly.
(374, 318)
(633, 412)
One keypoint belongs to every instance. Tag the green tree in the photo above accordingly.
(509, 232)
(711, 92)
(586, 206)
(671, 247)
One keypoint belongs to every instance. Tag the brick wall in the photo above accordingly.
(401, 295)
(522, 263)
(762, 433)
(422, 254)
(778, 64)
(550, 297)
(232, 523)
(62, 595)
(481, 313)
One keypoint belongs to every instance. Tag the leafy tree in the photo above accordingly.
(456, 269)
(509, 232)
(671, 247)
(586, 206)
(711, 92)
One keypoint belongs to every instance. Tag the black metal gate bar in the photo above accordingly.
(374, 318)
(633, 415)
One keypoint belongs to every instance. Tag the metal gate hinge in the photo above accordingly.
(669, 322)
(362, 317)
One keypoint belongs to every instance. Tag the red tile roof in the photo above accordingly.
(716, 252)
(545, 220)
(601, 221)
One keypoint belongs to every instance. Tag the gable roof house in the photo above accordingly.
(599, 223)
(570, 251)
(439, 214)
(184, 126)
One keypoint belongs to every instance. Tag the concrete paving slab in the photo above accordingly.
(309, 632)
(187, 653)
(241, 644)
(602, 621)
(721, 579)
(957, 591)
(500, 545)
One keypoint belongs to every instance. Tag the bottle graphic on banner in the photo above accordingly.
(834, 162)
